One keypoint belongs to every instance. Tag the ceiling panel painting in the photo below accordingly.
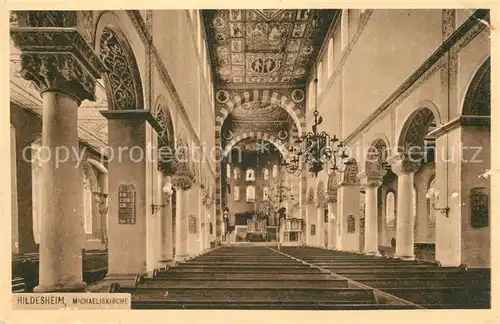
(265, 46)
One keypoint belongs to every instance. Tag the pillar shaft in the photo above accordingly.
(332, 225)
(181, 225)
(202, 228)
(61, 239)
(404, 222)
(405, 169)
(166, 250)
(348, 208)
(64, 82)
(371, 220)
(320, 227)
(167, 236)
(128, 257)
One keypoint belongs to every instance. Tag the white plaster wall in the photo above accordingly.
(461, 15)
(175, 40)
(373, 72)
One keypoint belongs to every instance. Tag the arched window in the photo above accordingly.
(87, 206)
(36, 190)
(275, 171)
(250, 193)
(236, 173)
(266, 174)
(431, 210)
(236, 193)
(330, 57)
(250, 176)
(265, 193)
(228, 171)
(390, 210)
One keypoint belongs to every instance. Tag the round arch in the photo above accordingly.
(264, 96)
(376, 157)
(258, 136)
(163, 114)
(332, 185)
(182, 146)
(101, 168)
(350, 176)
(416, 127)
(122, 78)
(477, 100)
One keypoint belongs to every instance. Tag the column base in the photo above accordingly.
(405, 257)
(376, 253)
(79, 286)
(120, 276)
(181, 257)
(166, 260)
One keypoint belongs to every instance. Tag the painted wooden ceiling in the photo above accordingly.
(265, 46)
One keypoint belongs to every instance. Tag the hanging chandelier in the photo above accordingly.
(318, 150)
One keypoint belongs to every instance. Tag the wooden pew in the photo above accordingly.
(94, 267)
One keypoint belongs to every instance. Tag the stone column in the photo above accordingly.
(371, 213)
(320, 226)
(309, 215)
(182, 181)
(405, 171)
(332, 222)
(167, 253)
(64, 82)
(181, 224)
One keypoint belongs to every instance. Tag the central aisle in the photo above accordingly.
(250, 277)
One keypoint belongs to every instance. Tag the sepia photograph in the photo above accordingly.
(334, 159)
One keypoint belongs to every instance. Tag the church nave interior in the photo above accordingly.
(253, 158)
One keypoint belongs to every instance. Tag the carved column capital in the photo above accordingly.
(369, 181)
(58, 59)
(403, 164)
(58, 72)
(182, 180)
(330, 198)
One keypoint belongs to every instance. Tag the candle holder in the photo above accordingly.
(433, 196)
